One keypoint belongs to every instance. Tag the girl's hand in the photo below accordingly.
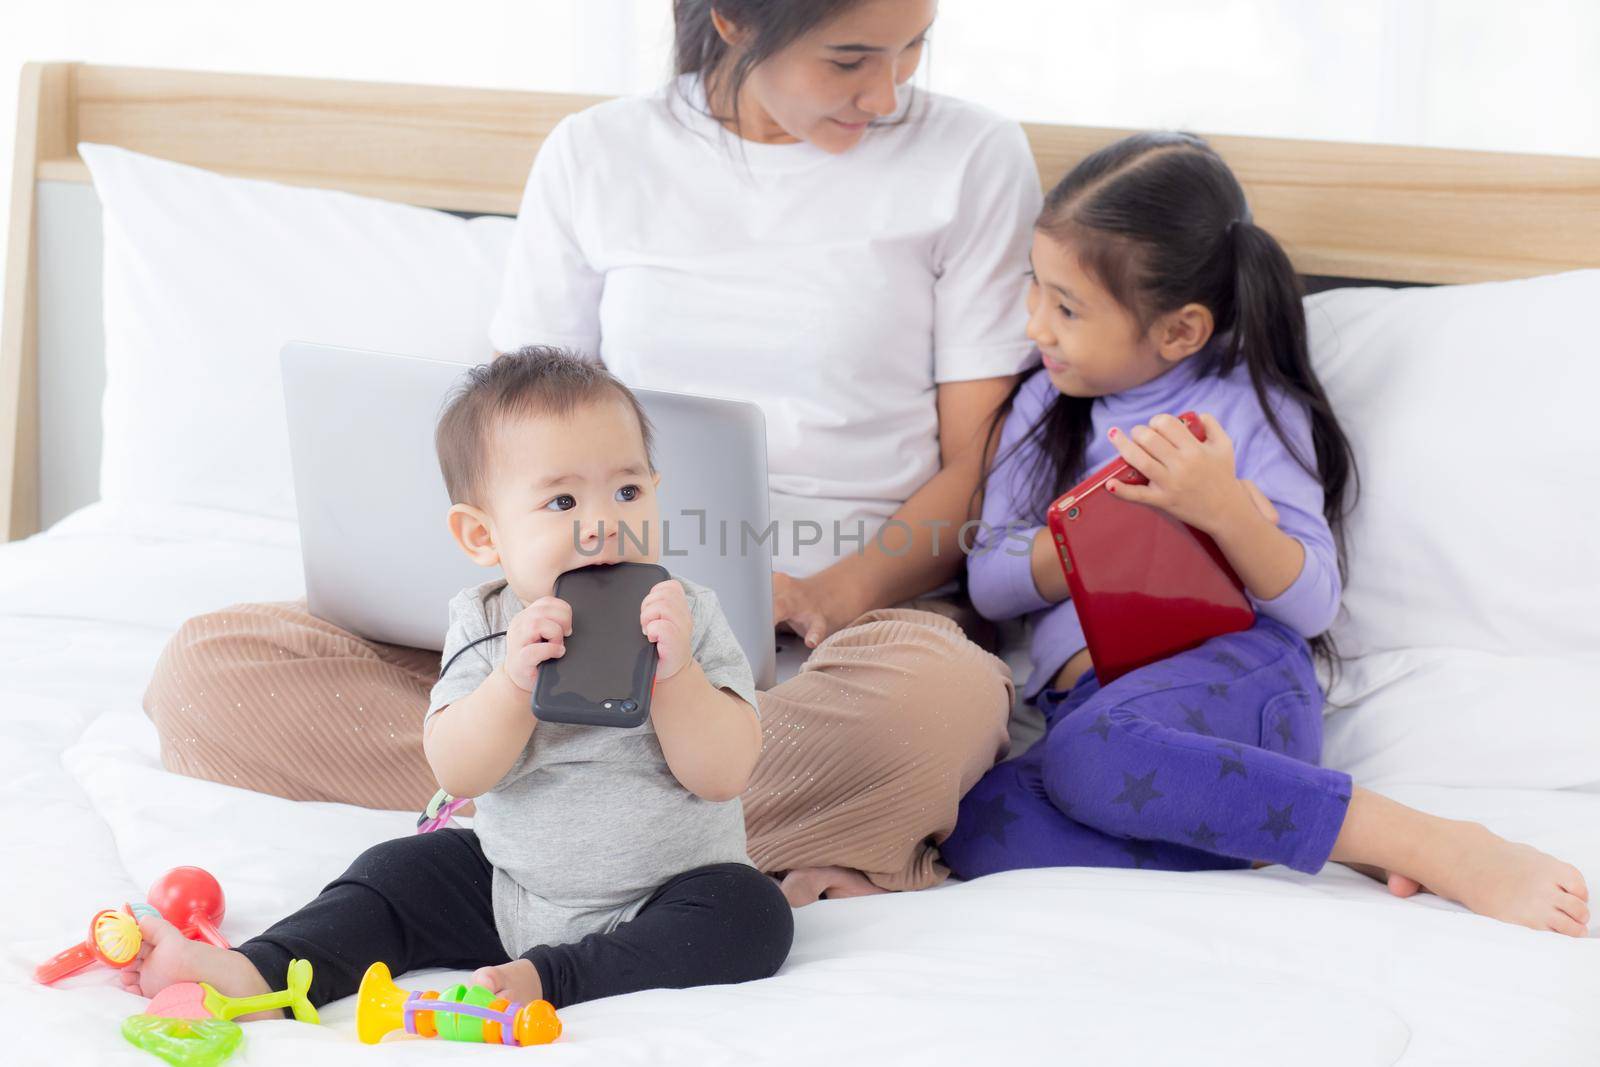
(1191, 480)
(811, 607)
(667, 621)
(538, 633)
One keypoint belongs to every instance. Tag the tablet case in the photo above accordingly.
(1145, 585)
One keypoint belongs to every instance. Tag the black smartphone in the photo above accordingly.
(606, 675)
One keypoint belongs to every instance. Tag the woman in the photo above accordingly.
(788, 223)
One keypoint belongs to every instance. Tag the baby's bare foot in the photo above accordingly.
(1503, 879)
(167, 957)
(807, 885)
(517, 981)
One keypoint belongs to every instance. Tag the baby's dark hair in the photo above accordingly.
(536, 380)
(1161, 222)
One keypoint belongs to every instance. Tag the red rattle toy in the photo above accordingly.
(187, 897)
(191, 900)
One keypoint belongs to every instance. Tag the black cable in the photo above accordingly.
(441, 796)
(488, 637)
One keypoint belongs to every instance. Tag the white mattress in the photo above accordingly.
(1067, 965)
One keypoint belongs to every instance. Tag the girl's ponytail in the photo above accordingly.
(1268, 333)
(1267, 295)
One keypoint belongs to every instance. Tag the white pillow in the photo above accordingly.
(1473, 413)
(1452, 717)
(206, 277)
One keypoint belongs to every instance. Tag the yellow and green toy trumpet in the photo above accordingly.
(460, 1013)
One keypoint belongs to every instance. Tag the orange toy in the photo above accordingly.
(460, 1013)
(114, 940)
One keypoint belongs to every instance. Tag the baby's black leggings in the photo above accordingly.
(424, 901)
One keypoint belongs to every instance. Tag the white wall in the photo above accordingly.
(599, 46)
(1497, 74)
(1509, 75)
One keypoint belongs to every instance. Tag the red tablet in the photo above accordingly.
(1146, 586)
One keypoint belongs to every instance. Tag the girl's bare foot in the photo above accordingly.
(1401, 886)
(167, 957)
(1508, 880)
(1464, 862)
(517, 981)
(1398, 884)
(807, 885)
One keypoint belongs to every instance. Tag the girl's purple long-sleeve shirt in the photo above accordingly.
(999, 567)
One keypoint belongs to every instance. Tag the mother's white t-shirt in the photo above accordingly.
(835, 291)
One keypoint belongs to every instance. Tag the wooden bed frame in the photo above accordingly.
(1373, 212)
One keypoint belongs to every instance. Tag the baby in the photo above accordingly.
(602, 861)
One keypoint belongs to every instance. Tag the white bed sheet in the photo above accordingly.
(1086, 966)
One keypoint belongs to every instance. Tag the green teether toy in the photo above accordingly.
(184, 1042)
(293, 998)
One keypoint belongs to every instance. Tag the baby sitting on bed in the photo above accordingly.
(603, 861)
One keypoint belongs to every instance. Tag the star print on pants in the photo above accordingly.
(1203, 837)
(1230, 661)
(1137, 791)
(1218, 689)
(1286, 731)
(994, 817)
(1102, 726)
(1233, 766)
(1278, 822)
(1142, 852)
(1196, 720)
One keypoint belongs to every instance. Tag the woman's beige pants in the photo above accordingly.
(867, 750)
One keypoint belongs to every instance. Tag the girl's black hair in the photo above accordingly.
(773, 25)
(1161, 222)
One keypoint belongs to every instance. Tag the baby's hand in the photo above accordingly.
(539, 632)
(1191, 480)
(666, 620)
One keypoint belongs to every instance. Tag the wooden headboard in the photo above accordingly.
(1360, 211)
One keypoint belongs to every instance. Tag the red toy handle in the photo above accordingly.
(199, 924)
(113, 940)
(68, 961)
(190, 899)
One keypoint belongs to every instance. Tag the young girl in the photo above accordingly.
(1153, 293)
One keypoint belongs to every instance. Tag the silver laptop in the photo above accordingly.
(379, 560)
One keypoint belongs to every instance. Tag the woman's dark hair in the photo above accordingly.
(773, 25)
(1161, 222)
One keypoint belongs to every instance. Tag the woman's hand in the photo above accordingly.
(666, 620)
(812, 607)
(538, 633)
(1194, 481)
